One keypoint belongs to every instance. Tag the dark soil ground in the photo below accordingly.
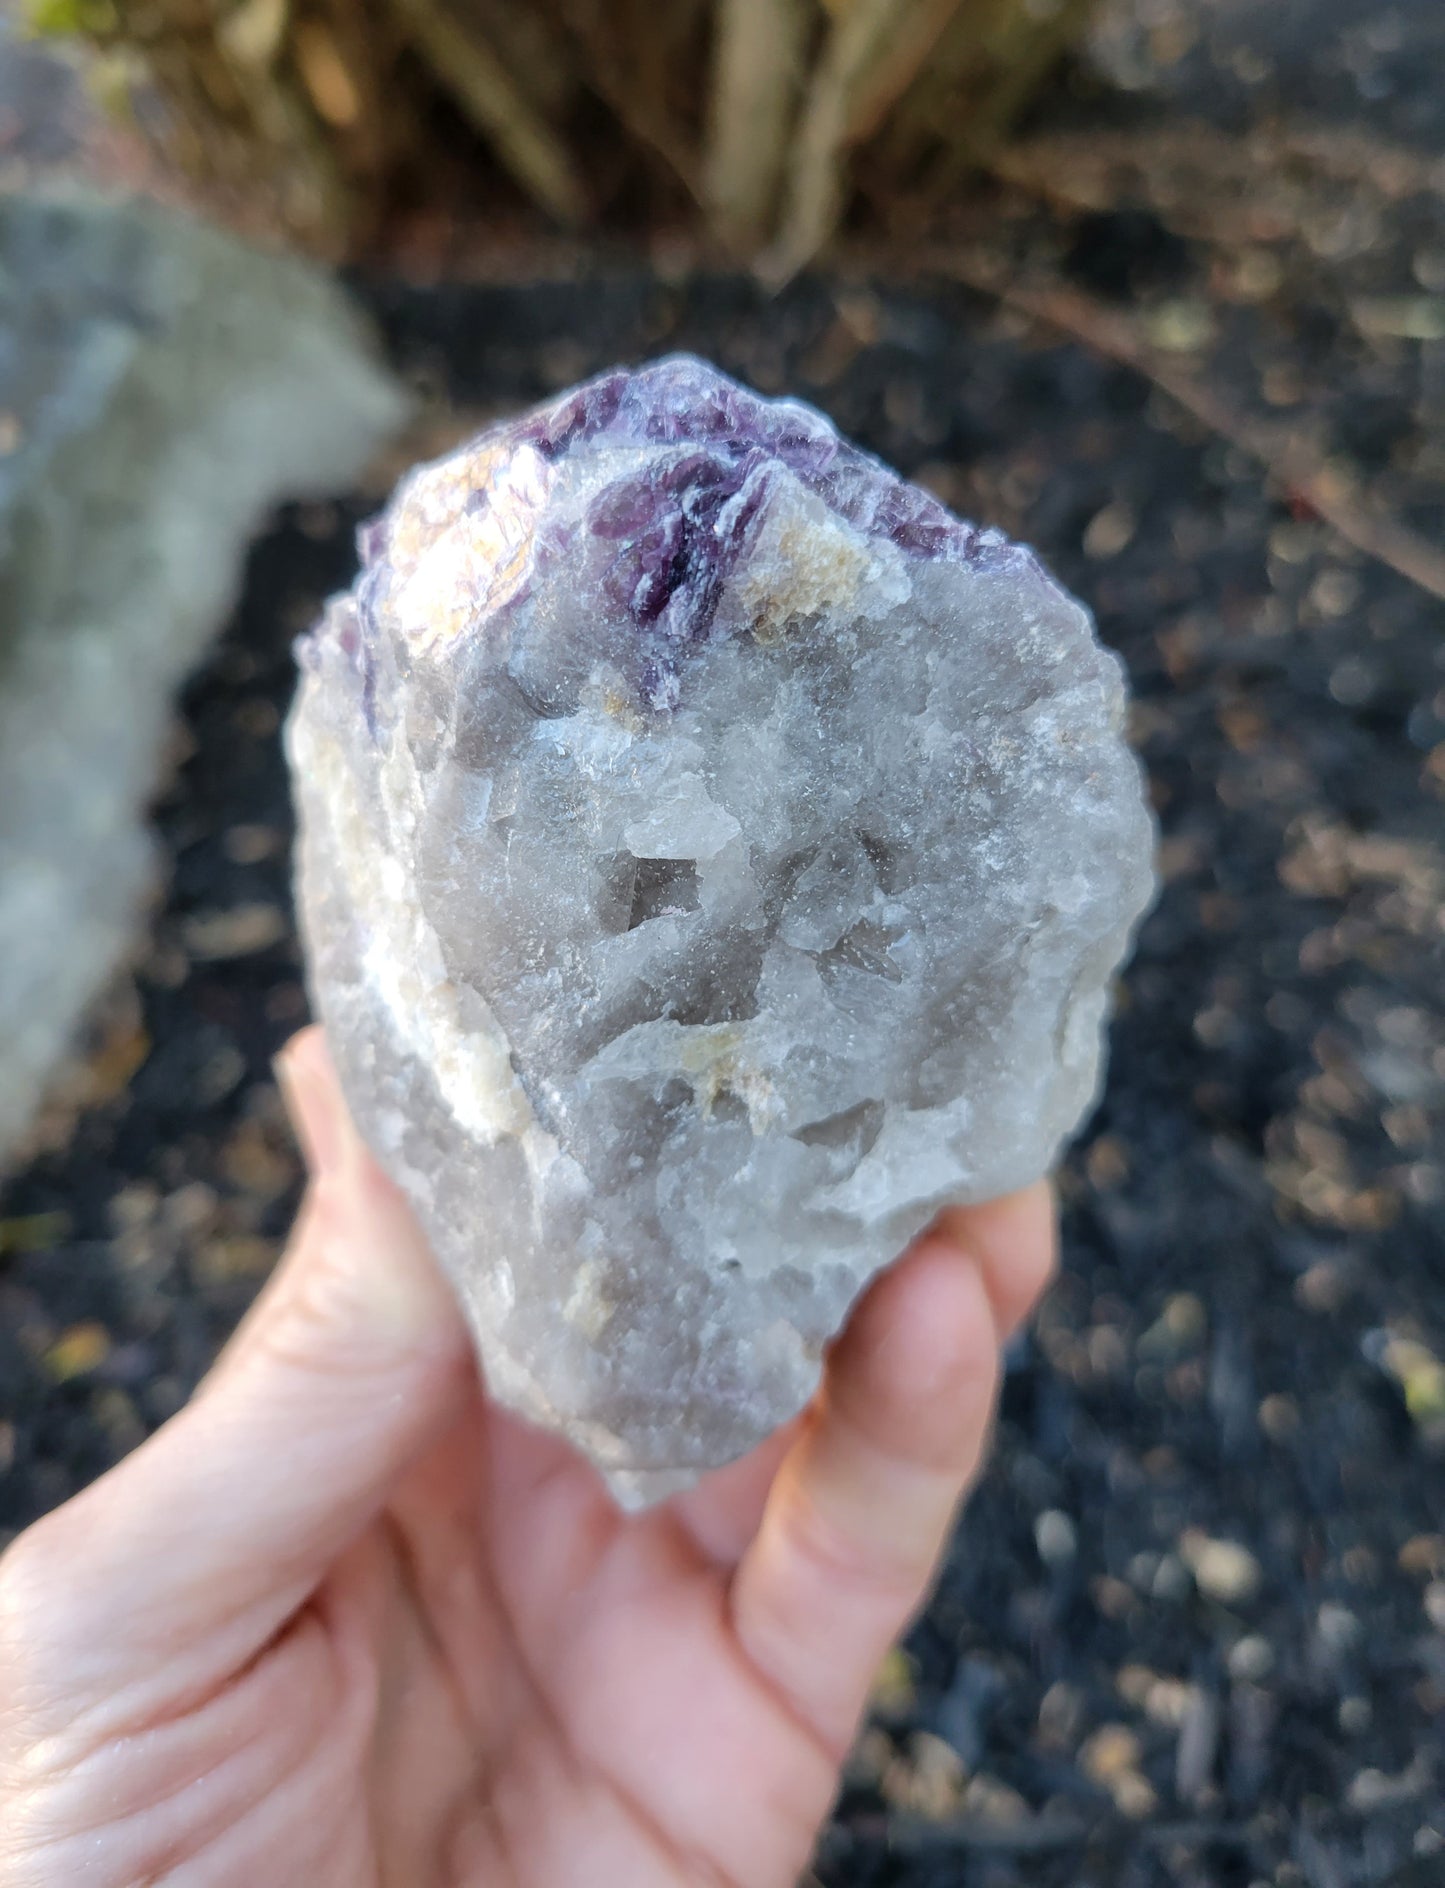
(1192, 1630)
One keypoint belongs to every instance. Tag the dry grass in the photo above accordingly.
(746, 118)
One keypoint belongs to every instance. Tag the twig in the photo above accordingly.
(1290, 464)
(757, 66)
(1168, 164)
(487, 93)
(1038, 1835)
(987, 1834)
(1198, 1834)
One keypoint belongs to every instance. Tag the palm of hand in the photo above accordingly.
(346, 1622)
(515, 1684)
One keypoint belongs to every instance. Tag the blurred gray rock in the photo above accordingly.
(162, 386)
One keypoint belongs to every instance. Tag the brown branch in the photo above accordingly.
(1290, 463)
(1171, 164)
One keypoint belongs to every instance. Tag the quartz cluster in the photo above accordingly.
(714, 857)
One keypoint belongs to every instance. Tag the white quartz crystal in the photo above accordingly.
(714, 859)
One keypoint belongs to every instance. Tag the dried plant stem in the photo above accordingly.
(898, 66)
(245, 119)
(332, 118)
(487, 93)
(814, 191)
(1029, 58)
(757, 67)
(642, 114)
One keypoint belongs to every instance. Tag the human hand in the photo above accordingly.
(343, 1621)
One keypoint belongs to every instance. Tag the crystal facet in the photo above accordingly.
(714, 859)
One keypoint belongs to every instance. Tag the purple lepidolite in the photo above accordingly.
(714, 856)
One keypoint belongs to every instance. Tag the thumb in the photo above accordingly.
(357, 1279)
(221, 1525)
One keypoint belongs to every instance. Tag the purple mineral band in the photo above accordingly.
(678, 528)
(681, 401)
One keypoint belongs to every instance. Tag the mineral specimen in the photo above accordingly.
(714, 858)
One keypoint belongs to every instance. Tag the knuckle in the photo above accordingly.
(838, 1559)
(299, 1334)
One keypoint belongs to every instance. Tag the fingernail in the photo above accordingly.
(315, 1110)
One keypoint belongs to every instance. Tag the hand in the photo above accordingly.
(343, 1621)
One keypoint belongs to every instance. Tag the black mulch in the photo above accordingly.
(1193, 1628)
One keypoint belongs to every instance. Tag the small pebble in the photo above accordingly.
(1134, 1796)
(1142, 1569)
(1325, 1287)
(1359, 1565)
(1113, 1598)
(1109, 1752)
(1181, 1326)
(1279, 1417)
(1180, 327)
(1186, 1318)
(1055, 1538)
(1107, 1163)
(237, 1256)
(218, 1076)
(1339, 1629)
(894, 1692)
(1435, 1604)
(1169, 1701)
(929, 1780)
(1134, 1683)
(1171, 1579)
(214, 936)
(869, 1759)
(1251, 1658)
(1420, 1375)
(77, 1351)
(994, 1802)
(252, 1160)
(1223, 1570)
(135, 1205)
(191, 1210)
(249, 845)
(1110, 530)
(118, 1417)
(1423, 1554)
(1061, 1716)
(1373, 1790)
